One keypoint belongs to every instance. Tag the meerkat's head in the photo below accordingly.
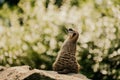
(73, 35)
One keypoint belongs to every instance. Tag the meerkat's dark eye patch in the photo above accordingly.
(70, 29)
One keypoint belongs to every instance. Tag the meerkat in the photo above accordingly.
(66, 61)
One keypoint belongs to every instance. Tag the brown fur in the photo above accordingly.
(66, 60)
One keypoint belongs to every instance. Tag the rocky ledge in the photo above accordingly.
(26, 73)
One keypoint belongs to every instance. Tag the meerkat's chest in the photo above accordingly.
(69, 47)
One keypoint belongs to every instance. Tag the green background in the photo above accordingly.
(32, 32)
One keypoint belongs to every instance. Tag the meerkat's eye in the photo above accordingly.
(70, 29)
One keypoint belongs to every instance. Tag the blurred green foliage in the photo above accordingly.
(32, 32)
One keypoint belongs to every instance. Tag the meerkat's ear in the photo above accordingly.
(73, 34)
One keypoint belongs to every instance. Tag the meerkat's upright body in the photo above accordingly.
(66, 60)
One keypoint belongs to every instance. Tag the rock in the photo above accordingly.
(2, 68)
(26, 73)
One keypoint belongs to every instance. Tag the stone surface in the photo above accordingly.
(26, 73)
